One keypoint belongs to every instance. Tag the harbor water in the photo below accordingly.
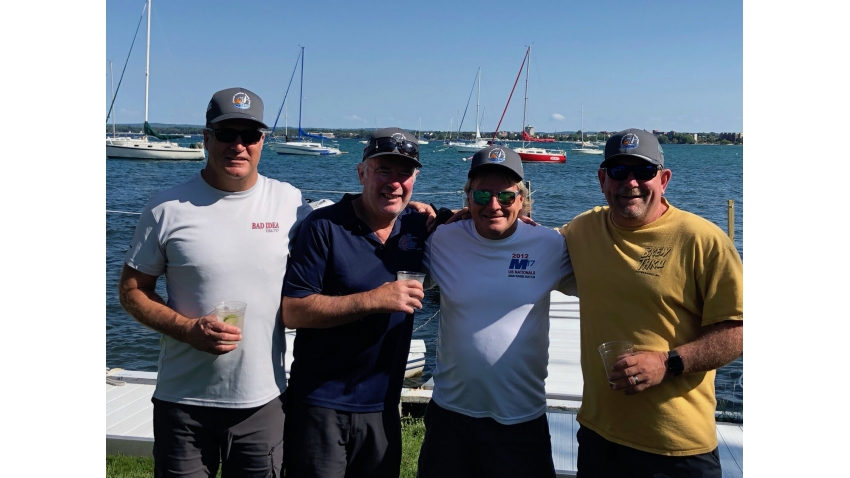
(704, 178)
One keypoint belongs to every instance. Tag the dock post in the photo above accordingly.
(731, 219)
(528, 187)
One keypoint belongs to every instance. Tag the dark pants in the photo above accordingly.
(326, 443)
(598, 457)
(457, 445)
(191, 441)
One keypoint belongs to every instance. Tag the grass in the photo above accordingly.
(412, 433)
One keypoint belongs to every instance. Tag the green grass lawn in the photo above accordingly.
(412, 433)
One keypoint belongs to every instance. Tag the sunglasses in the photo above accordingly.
(229, 135)
(641, 172)
(505, 198)
(388, 145)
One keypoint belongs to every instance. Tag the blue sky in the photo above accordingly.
(654, 65)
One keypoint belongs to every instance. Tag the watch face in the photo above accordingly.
(674, 363)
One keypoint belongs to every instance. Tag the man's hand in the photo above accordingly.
(426, 209)
(638, 371)
(399, 296)
(206, 333)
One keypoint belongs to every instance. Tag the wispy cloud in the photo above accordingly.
(355, 118)
(556, 117)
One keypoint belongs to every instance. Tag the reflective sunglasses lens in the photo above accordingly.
(481, 197)
(617, 173)
(506, 198)
(644, 172)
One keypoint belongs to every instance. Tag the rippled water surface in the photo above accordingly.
(704, 178)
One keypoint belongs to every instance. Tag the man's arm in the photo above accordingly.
(136, 291)
(319, 311)
(719, 344)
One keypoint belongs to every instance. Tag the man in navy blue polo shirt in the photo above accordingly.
(354, 319)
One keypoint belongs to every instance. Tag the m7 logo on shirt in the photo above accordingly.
(519, 266)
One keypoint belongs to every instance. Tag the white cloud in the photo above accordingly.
(557, 117)
(355, 118)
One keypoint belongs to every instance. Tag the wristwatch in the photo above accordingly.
(674, 363)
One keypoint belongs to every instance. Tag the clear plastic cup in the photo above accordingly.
(408, 275)
(613, 351)
(232, 313)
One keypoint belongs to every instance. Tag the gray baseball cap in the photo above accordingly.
(392, 142)
(634, 142)
(235, 103)
(493, 157)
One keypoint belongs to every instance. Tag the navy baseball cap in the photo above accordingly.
(493, 157)
(235, 103)
(636, 143)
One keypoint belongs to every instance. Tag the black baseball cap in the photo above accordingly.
(636, 143)
(392, 142)
(235, 103)
(493, 157)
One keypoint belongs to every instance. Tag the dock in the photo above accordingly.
(129, 411)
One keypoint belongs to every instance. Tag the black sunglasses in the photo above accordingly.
(505, 198)
(388, 145)
(229, 135)
(641, 172)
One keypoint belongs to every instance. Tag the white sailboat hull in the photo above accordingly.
(304, 148)
(143, 149)
(470, 147)
(587, 151)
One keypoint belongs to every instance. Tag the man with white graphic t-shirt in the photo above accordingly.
(487, 415)
(222, 235)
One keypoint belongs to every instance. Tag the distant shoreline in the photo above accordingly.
(723, 138)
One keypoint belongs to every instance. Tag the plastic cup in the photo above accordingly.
(612, 351)
(408, 275)
(231, 313)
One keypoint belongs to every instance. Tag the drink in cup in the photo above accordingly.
(613, 351)
(408, 275)
(231, 313)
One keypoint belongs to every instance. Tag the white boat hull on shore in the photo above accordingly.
(122, 148)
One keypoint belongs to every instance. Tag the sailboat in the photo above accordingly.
(420, 139)
(586, 148)
(143, 148)
(530, 153)
(300, 146)
(479, 141)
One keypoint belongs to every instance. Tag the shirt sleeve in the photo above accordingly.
(146, 254)
(306, 267)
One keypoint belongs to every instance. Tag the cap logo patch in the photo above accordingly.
(241, 101)
(398, 137)
(629, 143)
(497, 155)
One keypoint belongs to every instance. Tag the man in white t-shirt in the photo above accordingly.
(487, 415)
(222, 235)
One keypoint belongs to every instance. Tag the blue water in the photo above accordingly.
(704, 178)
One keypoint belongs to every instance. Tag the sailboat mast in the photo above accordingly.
(477, 104)
(525, 104)
(301, 93)
(147, 60)
(112, 81)
(582, 126)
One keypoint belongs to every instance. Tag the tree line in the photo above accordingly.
(363, 133)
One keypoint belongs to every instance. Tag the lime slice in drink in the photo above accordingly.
(231, 319)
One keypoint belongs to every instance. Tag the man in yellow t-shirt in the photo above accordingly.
(670, 282)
